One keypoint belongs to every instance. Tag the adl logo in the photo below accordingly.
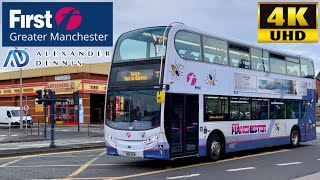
(17, 58)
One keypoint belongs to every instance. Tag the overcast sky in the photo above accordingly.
(234, 18)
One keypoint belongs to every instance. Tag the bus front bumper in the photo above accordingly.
(158, 151)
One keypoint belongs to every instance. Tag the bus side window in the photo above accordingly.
(215, 51)
(239, 56)
(259, 60)
(188, 45)
(307, 68)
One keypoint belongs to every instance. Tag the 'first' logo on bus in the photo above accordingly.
(288, 22)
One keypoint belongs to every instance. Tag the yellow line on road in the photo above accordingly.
(11, 162)
(109, 165)
(53, 153)
(195, 165)
(86, 165)
(94, 178)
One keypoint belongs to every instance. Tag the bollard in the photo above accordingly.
(10, 130)
(38, 128)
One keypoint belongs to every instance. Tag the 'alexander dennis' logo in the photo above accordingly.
(16, 58)
(69, 18)
(57, 24)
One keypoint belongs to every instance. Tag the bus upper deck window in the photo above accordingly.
(215, 51)
(307, 68)
(188, 45)
(239, 56)
(259, 60)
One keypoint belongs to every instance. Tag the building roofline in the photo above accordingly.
(95, 68)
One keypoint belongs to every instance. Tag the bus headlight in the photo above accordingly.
(152, 140)
(111, 140)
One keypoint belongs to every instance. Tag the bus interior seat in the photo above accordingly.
(216, 60)
(189, 55)
(295, 72)
(206, 59)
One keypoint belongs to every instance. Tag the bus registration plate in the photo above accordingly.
(129, 154)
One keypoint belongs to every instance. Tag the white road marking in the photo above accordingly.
(240, 169)
(318, 159)
(287, 164)
(9, 163)
(186, 176)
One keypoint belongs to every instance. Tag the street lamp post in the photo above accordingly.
(21, 121)
(52, 115)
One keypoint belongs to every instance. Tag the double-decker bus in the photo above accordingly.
(176, 92)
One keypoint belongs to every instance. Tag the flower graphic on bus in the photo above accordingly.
(176, 72)
(211, 78)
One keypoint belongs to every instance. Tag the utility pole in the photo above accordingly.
(21, 121)
(52, 114)
(45, 114)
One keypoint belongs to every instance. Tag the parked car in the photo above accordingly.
(10, 116)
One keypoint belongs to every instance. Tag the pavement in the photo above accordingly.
(21, 142)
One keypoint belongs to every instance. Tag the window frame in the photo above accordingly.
(302, 108)
(217, 39)
(200, 45)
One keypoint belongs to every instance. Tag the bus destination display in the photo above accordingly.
(136, 75)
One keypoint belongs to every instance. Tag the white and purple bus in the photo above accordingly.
(176, 92)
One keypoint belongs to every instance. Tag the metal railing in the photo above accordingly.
(36, 131)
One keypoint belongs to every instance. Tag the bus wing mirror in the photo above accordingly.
(160, 96)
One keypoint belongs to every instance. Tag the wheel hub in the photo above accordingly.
(215, 148)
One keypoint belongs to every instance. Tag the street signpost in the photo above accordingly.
(26, 109)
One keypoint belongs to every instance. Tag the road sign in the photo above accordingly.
(26, 108)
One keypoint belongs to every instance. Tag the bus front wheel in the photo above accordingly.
(295, 137)
(214, 148)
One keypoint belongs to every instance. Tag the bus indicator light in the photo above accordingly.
(160, 97)
(288, 22)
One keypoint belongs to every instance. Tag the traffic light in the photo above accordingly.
(76, 98)
(39, 96)
(51, 94)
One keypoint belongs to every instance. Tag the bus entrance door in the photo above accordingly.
(181, 123)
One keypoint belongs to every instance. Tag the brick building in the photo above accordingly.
(89, 79)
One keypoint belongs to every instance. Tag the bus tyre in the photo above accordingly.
(294, 137)
(215, 148)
